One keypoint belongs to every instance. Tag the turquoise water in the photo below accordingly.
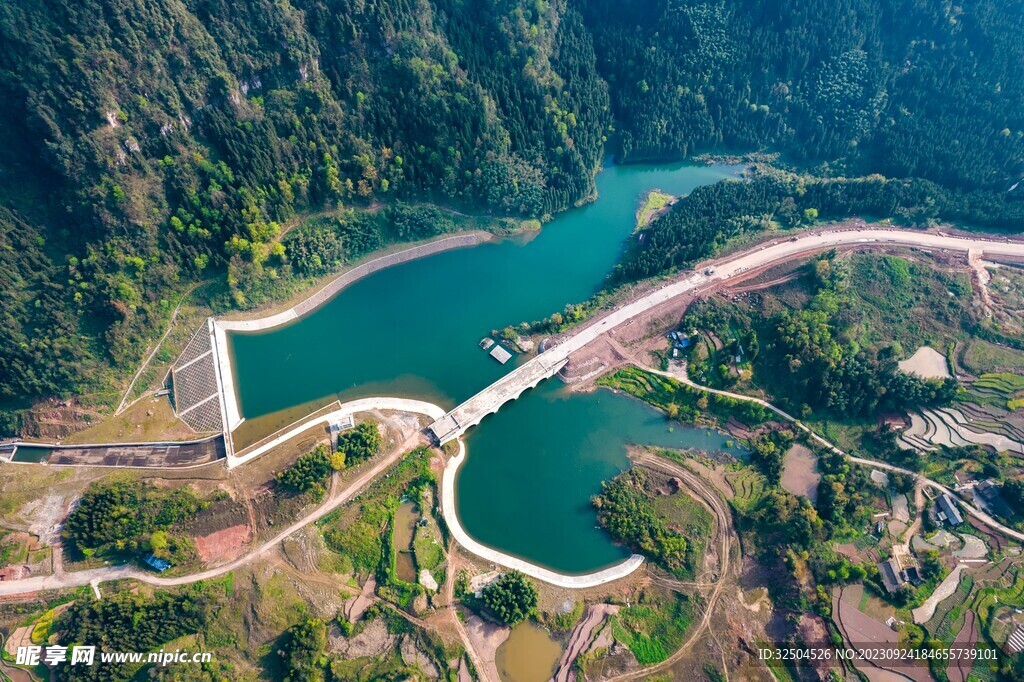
(412, 331)
(531, 487)
(31, 453)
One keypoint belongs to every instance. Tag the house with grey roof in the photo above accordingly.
(948, 510)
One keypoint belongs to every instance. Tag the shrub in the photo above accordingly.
(360, 443)
(511, 598)
(308, 472)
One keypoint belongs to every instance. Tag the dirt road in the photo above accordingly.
(919, 479)
(709, 273)
(726, 533)
(97, 575)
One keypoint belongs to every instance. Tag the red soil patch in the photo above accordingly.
(223, 545)
(13, 573)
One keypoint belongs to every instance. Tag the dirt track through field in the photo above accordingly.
(726, 533)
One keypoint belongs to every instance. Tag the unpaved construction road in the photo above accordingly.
(710, 273)
(726, 533)
(97, 575)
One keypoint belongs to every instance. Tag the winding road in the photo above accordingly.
(95, 576)
(546, 364)
(709, 273)
(927, 482)
(723, 517)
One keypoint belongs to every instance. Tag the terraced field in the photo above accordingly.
(1001, 382)
(984, 422)
(748, 486)
(1002, 389)
(949, 614)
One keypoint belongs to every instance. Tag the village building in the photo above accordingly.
(948, 511)
(892, 577)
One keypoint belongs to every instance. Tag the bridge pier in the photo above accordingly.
(488, 401)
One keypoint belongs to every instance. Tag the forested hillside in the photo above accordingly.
(150, 143)
(898, 87)
(146, 145)
(709, 216)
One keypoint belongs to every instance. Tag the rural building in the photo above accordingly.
(500, 354)
(948, 511)
(989, 495)
(158, 565)
(680, 340)
(336, 426)
(891, 575)
(913, 575)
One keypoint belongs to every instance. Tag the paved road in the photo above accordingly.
(601, 577)
(509, 387)
(344, 410)
(708, 273)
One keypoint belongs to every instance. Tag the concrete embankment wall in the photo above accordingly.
(349, 276)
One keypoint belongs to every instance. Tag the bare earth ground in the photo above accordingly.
(800, 472)
(582, 638)
(486, 638)
(927, 363)
(223, 545)
(860, 629)
(702, 638)
(150, 419)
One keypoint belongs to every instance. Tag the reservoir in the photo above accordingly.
(532, 468)
(412, 331)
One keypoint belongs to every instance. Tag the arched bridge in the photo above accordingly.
(545, 365)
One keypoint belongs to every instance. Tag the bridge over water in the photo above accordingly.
(546, 364)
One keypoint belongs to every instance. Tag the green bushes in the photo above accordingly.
(626, 510)
(133, 622)
(311, 471)
(360, 443)
(511, 598)
(654, 627)
(683, 402)
(357, 532)
(768, 451)
(308, 473)
(131, 517)
(828, 343)
(301, 651)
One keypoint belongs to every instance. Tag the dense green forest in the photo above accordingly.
(708, 217)
(671, 530)
(899, 87)
(814, 356)
(127, 622)
(148, 145)
(127, 518)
